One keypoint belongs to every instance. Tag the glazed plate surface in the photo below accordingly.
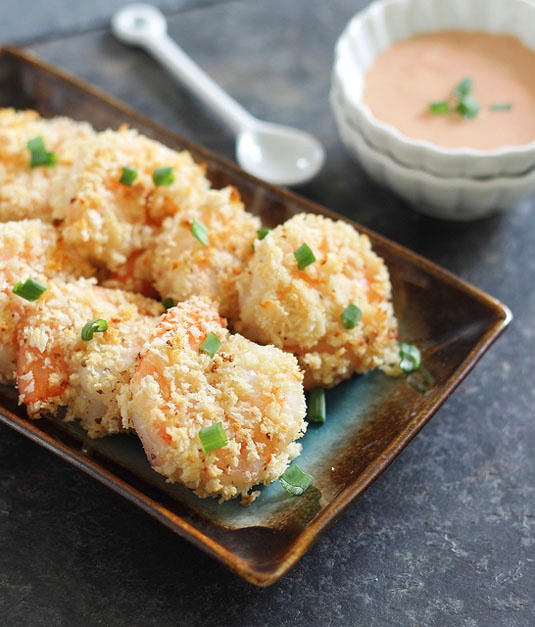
(370, 418)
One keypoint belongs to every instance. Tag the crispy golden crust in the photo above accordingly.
(182, 266)
(56, 368)
(254, 391)
(109, 221)
(299, 310)
(28, 249)
(25, 191)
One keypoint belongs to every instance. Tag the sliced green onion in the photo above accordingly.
(464, 88)
(199, 231)
(163, 177)
(501, 106)
(422, 380)
(295, 481)
(410, 357)
(304, 256)
(93, 326)
(439, 107)
(263, 232)
(211, 344)
(168, 302)
(213, 437)
(468, 107)
(29, 290)
(350, 316)
(316, 405)
(128, 176)
(39, 155)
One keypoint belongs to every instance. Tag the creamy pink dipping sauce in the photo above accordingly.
(406, 78)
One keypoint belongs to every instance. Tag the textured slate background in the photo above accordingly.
(445, 537)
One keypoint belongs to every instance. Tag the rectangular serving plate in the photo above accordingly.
(371, 418)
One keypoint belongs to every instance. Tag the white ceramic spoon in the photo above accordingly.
(277, 154)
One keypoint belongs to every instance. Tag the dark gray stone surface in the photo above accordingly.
(445, 537)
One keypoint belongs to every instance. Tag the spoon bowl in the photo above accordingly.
(278, 154)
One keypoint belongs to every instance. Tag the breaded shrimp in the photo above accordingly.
(29, 249)
(25, 191)
(108, 220)
(177, 390)
(183, 266)
(299, 310)
(57, 368)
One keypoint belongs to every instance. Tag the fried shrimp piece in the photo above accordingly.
(108, 220)
(29, 249)
(299, 310)
(57, 368)
(184, 264)
(25, 191)
(254, 391)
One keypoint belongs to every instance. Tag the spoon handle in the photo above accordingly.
(185, 70)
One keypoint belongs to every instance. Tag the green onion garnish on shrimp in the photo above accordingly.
(211, 344)
(29, 290)
(350, 316)
(39, 155)
(213, 437)
(304, 255)
(295, 481)
(128, 176)
(163, 177)
(263, 232)
(93, 326)
(199, 231)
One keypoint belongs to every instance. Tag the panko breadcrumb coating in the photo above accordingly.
(25, 191)
(56, 368)
(109, 221)
(29, 249)
(300, 310)
(254, 391)
(183, 266)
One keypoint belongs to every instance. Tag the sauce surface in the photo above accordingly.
(406, 78)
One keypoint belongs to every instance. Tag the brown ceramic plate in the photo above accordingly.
(370, 418)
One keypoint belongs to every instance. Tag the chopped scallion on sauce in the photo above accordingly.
(463, 88)
(463, 101)
(168, 302)
(439, 107)
(501, 106)
(30, 290)
(213, 437)
(468, 106)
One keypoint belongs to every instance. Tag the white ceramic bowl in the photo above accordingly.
(450, 198)
(384, 23)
